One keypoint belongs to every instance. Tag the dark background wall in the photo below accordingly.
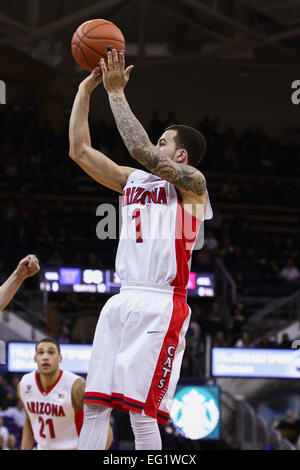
(261, 98)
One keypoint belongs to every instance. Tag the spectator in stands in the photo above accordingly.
(64, 335)
(272, 271)
(2, 392)
(192, 345)
(230, 190)
(219, 340)
(11, 443)
(210, 242)
(10, 211)
(288, 427)
(199, 316)
(94, 261)
(193, 333)
(244, 341)
(240, 283)
(10, 397)
(15, 379)
(3, 432)
(290, 272)
(238, 316)
(289, 250)
(17, 413)
(285, 342)
(56, 259)
(215, 320)
(202, 259)
(266, 343)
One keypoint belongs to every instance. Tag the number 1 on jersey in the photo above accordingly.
(137, 216)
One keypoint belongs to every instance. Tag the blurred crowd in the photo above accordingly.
(289, 428)
(49, 208)
(49, 204)
(12, 418)
(12, 414)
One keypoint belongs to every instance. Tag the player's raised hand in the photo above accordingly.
(92, 81)
(115, 76)
(28, 266)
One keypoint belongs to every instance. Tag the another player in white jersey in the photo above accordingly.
(53, 402)
(140, 336)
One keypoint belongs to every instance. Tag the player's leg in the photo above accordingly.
(146, 432)
(94, 432)
(99, 380)
(93, 435)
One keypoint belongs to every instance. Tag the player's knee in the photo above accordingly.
(142, 423)
(92, 411)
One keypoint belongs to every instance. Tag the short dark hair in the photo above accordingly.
(190, 139)
(48, 340)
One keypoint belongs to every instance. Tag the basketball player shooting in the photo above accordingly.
(140, 336)
(27, 267)
(53, 402)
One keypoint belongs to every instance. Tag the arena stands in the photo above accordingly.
(49, 208)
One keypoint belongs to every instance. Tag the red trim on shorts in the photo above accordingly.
(118, 401)
(116, 396)
(45, 392)
(161, 376)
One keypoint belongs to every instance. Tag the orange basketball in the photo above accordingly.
(93, 39)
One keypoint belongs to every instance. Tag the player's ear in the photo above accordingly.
(34, 358)
(60, 358)
(182, 156)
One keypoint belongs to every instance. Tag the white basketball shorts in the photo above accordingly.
(138, 349)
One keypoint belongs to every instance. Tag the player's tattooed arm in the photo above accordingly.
(115, 78)
(78, 394)
(141, 149)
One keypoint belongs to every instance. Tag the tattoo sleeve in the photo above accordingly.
(141, 149)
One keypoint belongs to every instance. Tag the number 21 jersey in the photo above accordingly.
(53, 419)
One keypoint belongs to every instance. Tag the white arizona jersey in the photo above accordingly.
(158, 234)
(52, 416)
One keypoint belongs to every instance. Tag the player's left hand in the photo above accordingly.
(28, 266)
(92, 81)
(115, 76)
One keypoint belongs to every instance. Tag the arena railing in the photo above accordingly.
(29, 307)
(245, 429)
(226, 287)
(276, 315)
